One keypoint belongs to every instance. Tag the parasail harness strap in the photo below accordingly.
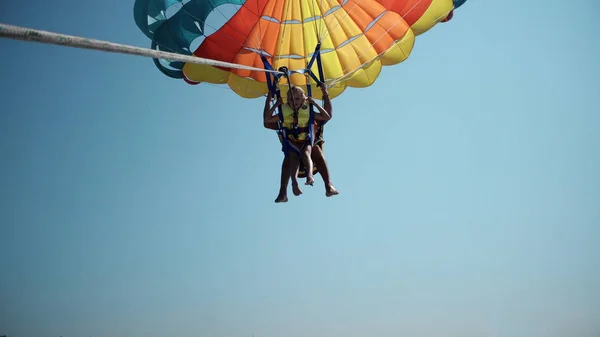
(273, 86)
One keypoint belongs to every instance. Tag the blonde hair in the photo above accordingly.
(293, 89)
(296, 88)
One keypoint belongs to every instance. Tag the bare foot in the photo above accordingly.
(296, 189)
(281, 198)
(331, 191)
(310, 180)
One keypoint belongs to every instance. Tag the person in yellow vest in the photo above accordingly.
(296, 117)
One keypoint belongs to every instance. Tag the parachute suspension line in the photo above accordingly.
(178, 74)
(211, 26)
(362, 52)
(286, 11)
(224, 17)
(338, 22)
(27, 34)
(314, 16)
(260, 37)
(339, 79)
(256, 44)
(253, 44)
(176, 70)
(323, 23)
(413, 7)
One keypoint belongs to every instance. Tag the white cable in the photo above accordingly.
(27, 34)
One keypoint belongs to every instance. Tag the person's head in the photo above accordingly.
(296, 97)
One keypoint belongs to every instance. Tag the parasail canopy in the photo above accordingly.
(354, 39)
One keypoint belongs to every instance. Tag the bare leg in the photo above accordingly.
(319, 158)
(294, 169)
(285, 177)
(308, 164)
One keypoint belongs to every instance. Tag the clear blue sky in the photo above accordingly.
(136, 205)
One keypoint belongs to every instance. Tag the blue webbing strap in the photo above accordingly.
(274, 88)
(272, 84)
(321, 80)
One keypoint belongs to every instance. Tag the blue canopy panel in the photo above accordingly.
(174, 32)
(458, 3)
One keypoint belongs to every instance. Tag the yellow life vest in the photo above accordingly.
(303, 119)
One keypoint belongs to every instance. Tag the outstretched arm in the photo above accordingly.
(270, 120)
(323, 115)
(326, 112)
(326, 101)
